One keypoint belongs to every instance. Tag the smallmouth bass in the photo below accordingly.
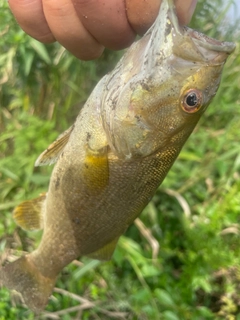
(111, 161)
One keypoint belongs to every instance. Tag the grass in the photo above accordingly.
(194, 216)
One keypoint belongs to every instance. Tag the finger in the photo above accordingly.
(142, 14)
(69, 31)
(107, 21)
(29, 14)
(185, 9)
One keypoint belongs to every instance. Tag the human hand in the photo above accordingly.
(85, 27)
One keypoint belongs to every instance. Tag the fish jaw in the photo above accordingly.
(168, 37)
(212, 50)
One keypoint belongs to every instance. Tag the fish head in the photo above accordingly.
(168, 78)
(185, 83)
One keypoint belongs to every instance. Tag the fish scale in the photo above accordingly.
(122, 145)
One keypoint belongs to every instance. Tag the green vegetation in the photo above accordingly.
(194, 215)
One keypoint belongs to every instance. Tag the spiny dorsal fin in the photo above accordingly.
(52, 153)
(28, 215)
(106, 252)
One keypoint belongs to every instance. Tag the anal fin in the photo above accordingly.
(28, 215)
(106, 252)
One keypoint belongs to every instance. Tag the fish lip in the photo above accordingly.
(210, 43)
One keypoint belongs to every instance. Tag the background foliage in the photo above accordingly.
(194, 215)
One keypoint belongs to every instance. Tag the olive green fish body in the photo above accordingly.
(123, 143)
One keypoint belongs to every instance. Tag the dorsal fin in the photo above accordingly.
(52, 153)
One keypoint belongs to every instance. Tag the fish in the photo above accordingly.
(110, 162)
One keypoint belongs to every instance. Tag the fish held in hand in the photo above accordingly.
(123, 143)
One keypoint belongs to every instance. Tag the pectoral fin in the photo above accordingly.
(28, 215)
(52, 153)
(106, 252)
(96, 171)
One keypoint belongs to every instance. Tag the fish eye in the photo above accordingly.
(192, 101)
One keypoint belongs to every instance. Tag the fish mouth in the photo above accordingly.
(211, 43)
(213, 50)
(199, 46)
(187, 43)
